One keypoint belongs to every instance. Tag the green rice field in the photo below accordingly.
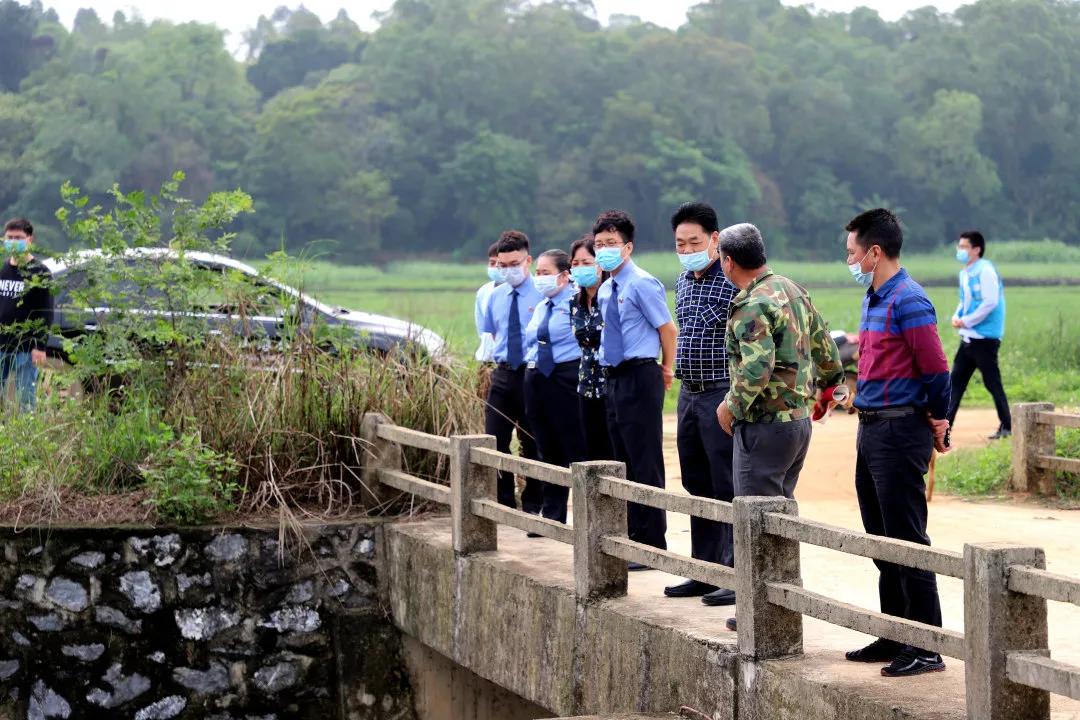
(1040, 354)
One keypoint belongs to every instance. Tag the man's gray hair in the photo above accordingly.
(744, 245)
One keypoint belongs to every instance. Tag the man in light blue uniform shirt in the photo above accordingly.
(980, 319)
(485, 352)
(637, 328)
(509, 311)
(552, 356)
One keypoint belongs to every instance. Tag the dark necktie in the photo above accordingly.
(513, 334)
(545, 354)
(612, 338)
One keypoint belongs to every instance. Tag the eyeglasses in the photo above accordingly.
(611, 244)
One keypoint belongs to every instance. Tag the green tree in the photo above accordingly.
(22, 49)
(489, 184)
(941, 152)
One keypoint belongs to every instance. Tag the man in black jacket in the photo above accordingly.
(26, 312)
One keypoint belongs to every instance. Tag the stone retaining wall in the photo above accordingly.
(195, 623)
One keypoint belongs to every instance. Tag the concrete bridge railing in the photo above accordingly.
(1009, 674)
(1034, 447)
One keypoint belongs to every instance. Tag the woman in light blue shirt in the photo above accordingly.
(552, 355)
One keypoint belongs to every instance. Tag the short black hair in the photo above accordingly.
(744, 245)
(512, 241)
(976, 239)
(559, 257)
(20, 224)
(615, 221)
(585, 241)
(878, 227)
(698, 213)
(493, 249)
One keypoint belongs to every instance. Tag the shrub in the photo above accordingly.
(189, 482)
(185, 424)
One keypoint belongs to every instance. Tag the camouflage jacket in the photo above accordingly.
(778, 348)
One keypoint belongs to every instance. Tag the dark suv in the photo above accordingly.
(274, 306)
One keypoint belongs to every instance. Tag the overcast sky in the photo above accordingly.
(238, 16)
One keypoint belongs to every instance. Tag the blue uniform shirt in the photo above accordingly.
(497, 315)
(564, 344)
(642, 309)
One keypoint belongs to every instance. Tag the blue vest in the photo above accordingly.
(993, 325)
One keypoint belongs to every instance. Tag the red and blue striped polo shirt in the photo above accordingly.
(901, 361)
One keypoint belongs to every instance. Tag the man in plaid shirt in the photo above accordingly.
(702, 297)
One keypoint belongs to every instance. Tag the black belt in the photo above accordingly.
(508, 368)
(699, 387)
(558, 366)
(611, 371)
(869, 416)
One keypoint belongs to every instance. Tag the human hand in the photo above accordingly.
(956, 323)
(669, 376)
(824, 403)
(941, 431)
(38, 357)
(724, 417)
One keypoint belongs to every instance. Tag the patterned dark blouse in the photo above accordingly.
(587, 325)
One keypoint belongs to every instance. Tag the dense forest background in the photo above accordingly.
(458, 118)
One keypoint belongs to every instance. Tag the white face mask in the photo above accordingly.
(548, 285)
(515, 275)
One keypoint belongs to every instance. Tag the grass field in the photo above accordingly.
(1040, 355)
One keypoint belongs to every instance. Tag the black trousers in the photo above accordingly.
(893, 456)
(551, 404)
(595, 422)
(705, 457)
(635, 407)
(981, 355)
(503, 414)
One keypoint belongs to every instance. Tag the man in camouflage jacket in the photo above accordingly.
(780, 352)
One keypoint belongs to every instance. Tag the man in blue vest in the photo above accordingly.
(980, 319)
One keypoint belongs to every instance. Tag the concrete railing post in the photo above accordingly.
(1031, 439)
(597, 575)
(470, 482)
(765, 630)
(378, 453)
(998, 621)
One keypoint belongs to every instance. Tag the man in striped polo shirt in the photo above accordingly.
(903, 400)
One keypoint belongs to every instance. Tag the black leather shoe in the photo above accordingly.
(636, 567)
(1001, 434)
(690, 588)
(731, 625)
(878, 651)
(723, 596)
(913, 661)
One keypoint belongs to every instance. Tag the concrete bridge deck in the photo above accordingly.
(511, 617)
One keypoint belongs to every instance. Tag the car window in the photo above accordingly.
(64, 284)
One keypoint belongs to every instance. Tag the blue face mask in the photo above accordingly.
(548, 285)
(695, 262)
(962, 256)
(609, 258)
(495, 275)
(863, 278)
(585, 276)
(15, 247)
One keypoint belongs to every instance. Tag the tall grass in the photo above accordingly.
(230, 434)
